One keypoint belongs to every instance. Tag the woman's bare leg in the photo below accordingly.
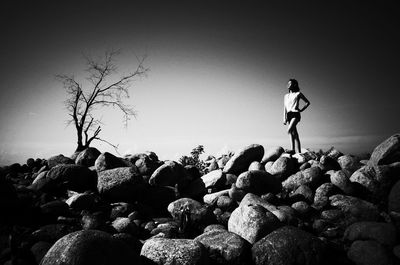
(297, 140)
(292, 140)
(292, 131)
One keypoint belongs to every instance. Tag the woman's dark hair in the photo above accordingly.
(294, 85)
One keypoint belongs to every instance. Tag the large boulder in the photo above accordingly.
(341, 180)
(200, 215)
(165, 251)
(59, 159)
(120, 184)
(281, 212)
(322, 194)
(225, 247)
(387, 152)
(311, 176)
(355, 209)
(215, 178)
(87, 157)
(252, 222)
(282, 168)
(108, 161)
(272, 154)
(168, 174)
(375, 180)
(384, 233)
(289, 246)
(242, 159)
(90, 247)
(67, 176)
(258, 182)
(146, 162)
(349, 163)
(369, 252)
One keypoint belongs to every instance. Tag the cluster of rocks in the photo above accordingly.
(256, 206)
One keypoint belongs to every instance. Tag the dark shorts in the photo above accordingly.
(291, 115)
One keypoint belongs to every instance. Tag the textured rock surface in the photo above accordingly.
(199, 214)
(120, 184)
(340, 210)
(242, 159)
(224, 247)
(368, 252)
(89, 247)
(355, 209)
(288, 246)
(168, 174)
(282, 168)
(258, 182)
(341, 180)
(87, 157)
(272, 154)
(174, 252)
(387, 152)
(310, 176)
(59, 159)
(108, 161)
(252, 222)
(384, 233)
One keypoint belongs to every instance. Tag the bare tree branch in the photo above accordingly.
(102, 89)
(107, 142)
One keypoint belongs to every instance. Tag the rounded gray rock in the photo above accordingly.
(252, 222)
(282, 168)
(289, 246)
(89, 247)
(258, 182)
(108, 161)
(368, 252)
(310, 176)
(165, 251)
(87, 157)
(272, 154)
(242, 159)
(387, 152)
(120, 184)
(225, 248)
(383, 233)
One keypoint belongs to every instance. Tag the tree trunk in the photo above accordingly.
(80, 147)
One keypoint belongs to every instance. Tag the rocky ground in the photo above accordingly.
(255, 207)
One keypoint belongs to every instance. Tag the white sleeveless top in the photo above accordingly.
(291, 101)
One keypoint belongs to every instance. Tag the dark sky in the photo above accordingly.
(344, 54)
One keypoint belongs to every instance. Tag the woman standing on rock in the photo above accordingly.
(291, 112)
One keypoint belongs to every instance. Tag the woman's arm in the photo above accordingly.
(284, 111)
(305, 100)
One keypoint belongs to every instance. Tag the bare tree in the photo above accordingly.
(103, 88)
